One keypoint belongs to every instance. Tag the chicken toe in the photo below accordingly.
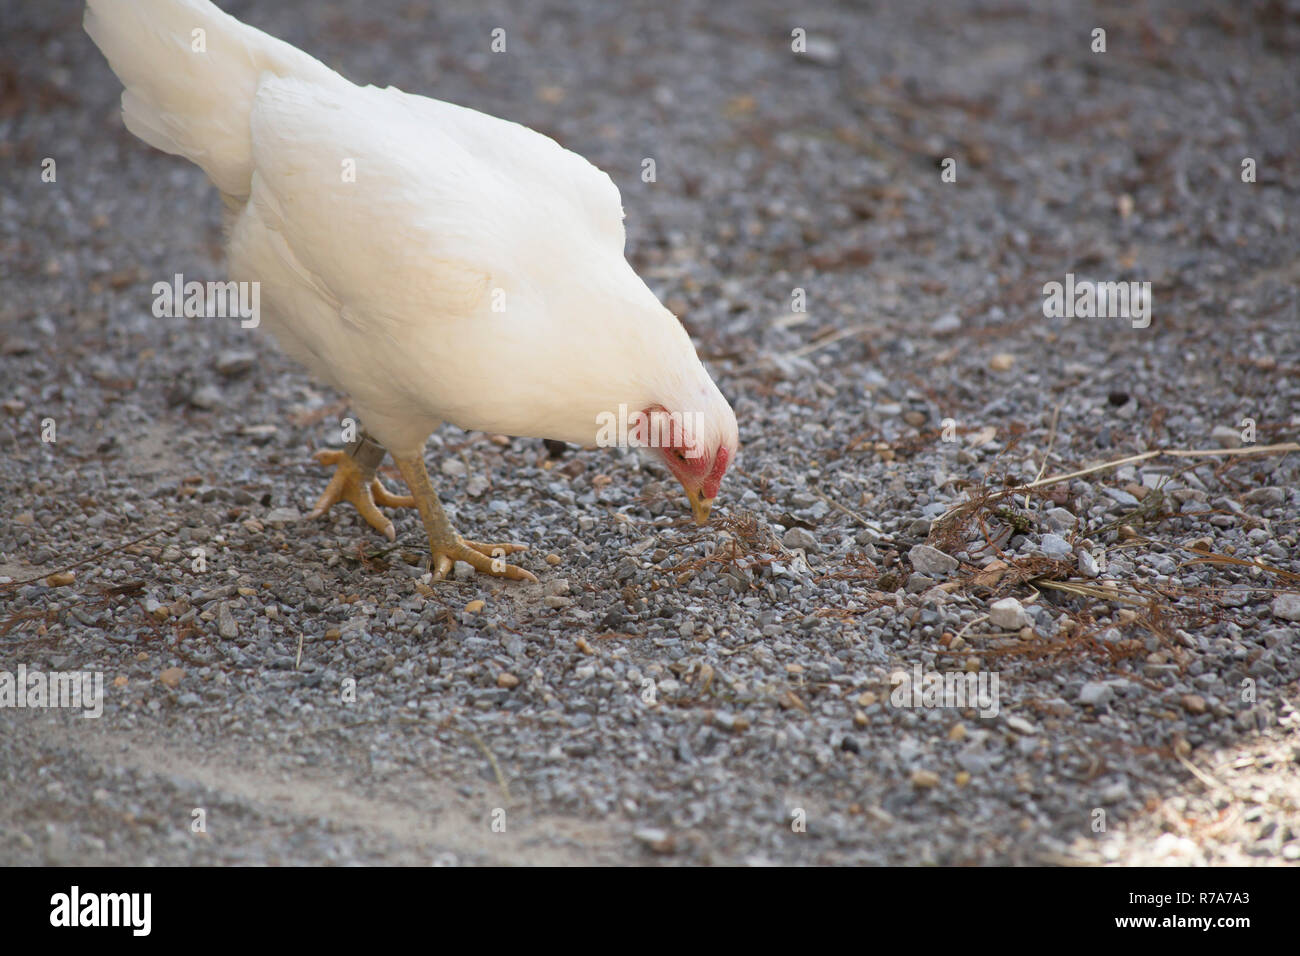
(486, 559)
(445, 544)
(355, 481)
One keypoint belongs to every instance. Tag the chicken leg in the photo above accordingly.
(446, 545)
(355, 481)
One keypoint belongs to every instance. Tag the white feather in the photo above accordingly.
(474, 270)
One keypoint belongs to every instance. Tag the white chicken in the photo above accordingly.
(433, 263)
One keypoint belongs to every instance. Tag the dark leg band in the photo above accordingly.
(367, 453)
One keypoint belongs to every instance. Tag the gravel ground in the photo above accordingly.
(668, 694)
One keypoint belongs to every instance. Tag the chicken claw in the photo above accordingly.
(446, 546)
(355, 481)
(486, 558)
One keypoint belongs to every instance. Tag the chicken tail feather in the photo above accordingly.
(191, 73)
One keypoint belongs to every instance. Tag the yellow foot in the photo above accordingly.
(446, 547)
(365, 492)
(486, 559)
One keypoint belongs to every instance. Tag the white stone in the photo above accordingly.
(1008, 614)
(1287, 607)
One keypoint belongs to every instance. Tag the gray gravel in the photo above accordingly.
(668, 694)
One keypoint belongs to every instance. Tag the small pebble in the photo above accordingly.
(924, 779)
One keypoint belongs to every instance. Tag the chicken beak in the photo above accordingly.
(700, 507)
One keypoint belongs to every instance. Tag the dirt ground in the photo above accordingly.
(1149, 664)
